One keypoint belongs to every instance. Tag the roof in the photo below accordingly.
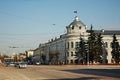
(107, 32)
(77, 22)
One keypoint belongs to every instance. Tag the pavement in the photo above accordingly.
(61, 72)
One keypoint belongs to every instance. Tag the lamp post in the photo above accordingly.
(65, 52)
(86, 46)
(103, 48)
(88, 57)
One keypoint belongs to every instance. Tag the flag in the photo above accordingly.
(75, 11)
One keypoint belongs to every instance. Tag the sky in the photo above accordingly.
(25, 24)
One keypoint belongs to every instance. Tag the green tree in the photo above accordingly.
(91, 44)
(81, 52)
(98, 49)
(115, 50)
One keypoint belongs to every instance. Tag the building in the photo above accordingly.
(29, 53)
(39, 55)
(63, 49)
(21, 57)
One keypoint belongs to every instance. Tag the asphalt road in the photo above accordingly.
(61, 72)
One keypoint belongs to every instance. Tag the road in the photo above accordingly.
(61, 72)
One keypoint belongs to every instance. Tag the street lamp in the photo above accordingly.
(103, 48)
(87, 49)
(65, 52)
(88, 57)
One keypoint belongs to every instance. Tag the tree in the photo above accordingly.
(3, 56)
(29, 59)
(43, 58)
(115, 50)
(98, 49)
(81, 52)
(91, 44)
(54, 57)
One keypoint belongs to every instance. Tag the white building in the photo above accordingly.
(63, 49)
(39, 55)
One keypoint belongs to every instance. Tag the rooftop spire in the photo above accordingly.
(76, 18)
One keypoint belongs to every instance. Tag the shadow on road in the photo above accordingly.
(82, 78)
(115, 73)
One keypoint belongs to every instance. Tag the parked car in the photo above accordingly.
(9, 64)
(21, 65)
(6, 64)
(38, 63)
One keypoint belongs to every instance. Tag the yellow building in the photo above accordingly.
(29, 53)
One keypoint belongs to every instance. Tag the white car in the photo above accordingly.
(21, 65)
(38, 63)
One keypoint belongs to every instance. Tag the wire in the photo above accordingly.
(11, 14)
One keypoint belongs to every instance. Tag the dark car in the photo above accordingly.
(9, 64)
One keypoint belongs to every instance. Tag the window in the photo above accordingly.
(71, 61)
(71, 53)
(75, 54)
(72, 45)
(67, 61)
(79, 27)
(67, 53)
(68, 45)
(72, 27)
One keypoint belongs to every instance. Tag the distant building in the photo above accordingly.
(29, 53)
(39, 54)
(36, 56)
(63, 49)
(21, 56)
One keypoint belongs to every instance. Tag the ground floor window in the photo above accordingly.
(71, 61)
(67, 53)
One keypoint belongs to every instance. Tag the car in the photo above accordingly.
(12, 64)
(21, 65)
(6, 64)
(9, 64)
(38, 63)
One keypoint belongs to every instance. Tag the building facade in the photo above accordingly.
(63, 49)
(39, 55)
(29, 53)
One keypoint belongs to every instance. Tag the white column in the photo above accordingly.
(109, 57)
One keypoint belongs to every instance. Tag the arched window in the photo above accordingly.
(72, 27)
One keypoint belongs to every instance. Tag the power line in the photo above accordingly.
(46, 33)
(14, 15)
